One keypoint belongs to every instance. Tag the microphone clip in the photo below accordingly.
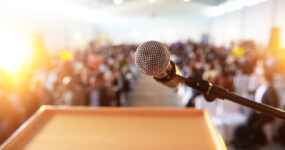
(203, 87)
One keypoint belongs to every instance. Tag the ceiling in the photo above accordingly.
(212, 2)
(135, 8)
(95, 4)
(143, 7)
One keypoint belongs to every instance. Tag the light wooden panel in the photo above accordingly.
(116, 129)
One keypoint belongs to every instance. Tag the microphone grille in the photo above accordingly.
(152, 57)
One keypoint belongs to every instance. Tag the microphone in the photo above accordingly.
(153, 58)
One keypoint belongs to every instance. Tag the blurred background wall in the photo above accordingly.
(67, 24)
(251, 23)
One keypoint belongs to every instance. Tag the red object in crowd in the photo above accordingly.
(95, 61)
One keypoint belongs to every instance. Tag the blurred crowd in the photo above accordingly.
(221, 65)
(98, 75)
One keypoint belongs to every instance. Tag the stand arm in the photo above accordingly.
(211, 92)
(266, 109)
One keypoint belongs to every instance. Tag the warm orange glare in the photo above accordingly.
(283, 40)
(15, 50)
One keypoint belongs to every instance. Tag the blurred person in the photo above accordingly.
(116, 87)
(10, 114)
(63, 94)
(210, 54)
(197, 75)
(65, 69)
(226, 81)
(255, 78)
(103, 91)
(210, 74)
(127, 77)
(251, 135)
(266, 94)
(93, 96)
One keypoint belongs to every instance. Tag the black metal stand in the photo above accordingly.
(212, 92)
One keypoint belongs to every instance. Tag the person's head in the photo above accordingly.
(268, 77)
(211, 66)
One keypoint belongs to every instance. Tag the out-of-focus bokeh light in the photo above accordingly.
(239, 51)
(65, 55)
(16, 50)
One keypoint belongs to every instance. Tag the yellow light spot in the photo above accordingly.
(239, 51)
(65, 55)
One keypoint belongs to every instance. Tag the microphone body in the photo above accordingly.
(153, 58)
(169, 76)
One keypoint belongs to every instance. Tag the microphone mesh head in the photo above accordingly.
(152, 57)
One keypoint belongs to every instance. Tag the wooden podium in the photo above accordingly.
(85, 128)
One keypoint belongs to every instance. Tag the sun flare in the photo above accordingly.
(15, 50)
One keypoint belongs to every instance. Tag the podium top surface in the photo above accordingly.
(116, 129)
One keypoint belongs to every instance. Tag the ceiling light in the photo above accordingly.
(118, 2)
(186, 0)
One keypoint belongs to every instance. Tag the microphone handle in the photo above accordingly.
(211, 92)
(169, 76)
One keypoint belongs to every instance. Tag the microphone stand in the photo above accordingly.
(211, 92)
